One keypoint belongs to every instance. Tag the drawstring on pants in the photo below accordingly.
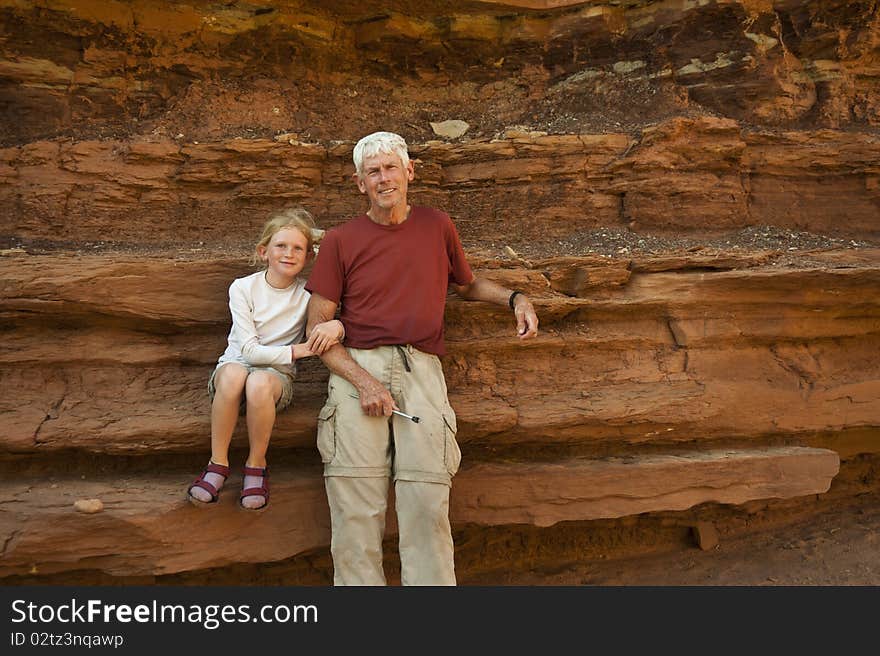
(403, 355)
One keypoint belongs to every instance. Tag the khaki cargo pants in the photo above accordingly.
(360, 453)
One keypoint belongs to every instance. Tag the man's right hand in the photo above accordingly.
(376, 400)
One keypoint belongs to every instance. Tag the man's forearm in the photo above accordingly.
(338, 361)
(482, 289)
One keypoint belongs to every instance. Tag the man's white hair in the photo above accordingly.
(379, 142)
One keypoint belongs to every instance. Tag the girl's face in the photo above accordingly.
(285, 256)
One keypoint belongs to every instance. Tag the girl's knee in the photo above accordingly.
(262, 386)
(230, 380)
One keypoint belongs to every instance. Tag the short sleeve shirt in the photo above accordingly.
(391, 281)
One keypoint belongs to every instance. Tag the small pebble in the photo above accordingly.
(88, 506)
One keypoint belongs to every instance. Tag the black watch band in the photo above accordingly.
(512, 296)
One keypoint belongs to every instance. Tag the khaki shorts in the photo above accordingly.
(354, 444)
(286, 386)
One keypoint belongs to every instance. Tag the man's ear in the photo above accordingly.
(410, 171)
(359, 182)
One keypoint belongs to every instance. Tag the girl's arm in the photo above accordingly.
(323, 336)
(245, 331)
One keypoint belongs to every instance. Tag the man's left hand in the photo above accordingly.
(526, 319)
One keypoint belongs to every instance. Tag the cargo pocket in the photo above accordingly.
(451, 452)
(327, 433)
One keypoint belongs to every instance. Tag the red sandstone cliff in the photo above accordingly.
(631, 157)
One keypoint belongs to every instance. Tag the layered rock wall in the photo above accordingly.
(614, 158)
(699, 175)
(114, 65)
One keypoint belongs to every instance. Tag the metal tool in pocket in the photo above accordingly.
(412, 418)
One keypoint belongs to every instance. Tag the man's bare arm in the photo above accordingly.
(482, 289)
(376, 400)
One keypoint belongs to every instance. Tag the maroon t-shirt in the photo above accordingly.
(391, 280)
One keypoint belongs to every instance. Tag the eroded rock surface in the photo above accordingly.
(147, 527)
(142, 144)
(669, 354)
(685, 175)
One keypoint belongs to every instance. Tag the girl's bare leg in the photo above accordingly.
(262, 391)
(229, 384)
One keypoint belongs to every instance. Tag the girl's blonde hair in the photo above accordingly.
(291, 217)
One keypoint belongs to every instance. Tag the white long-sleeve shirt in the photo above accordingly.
(265, 322)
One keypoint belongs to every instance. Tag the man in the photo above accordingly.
(390, 270)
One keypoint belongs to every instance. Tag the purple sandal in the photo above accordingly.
(200, 482)
(262, 491)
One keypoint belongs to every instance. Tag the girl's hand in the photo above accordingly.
(325, 335)
(300, 351)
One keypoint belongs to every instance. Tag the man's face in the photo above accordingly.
(385, 180)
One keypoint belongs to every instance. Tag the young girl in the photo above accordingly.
(256, 371)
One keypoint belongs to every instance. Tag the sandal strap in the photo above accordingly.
(214, 468)
(205, 485)
(255, 491)
(262, 490)
(200, 482)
